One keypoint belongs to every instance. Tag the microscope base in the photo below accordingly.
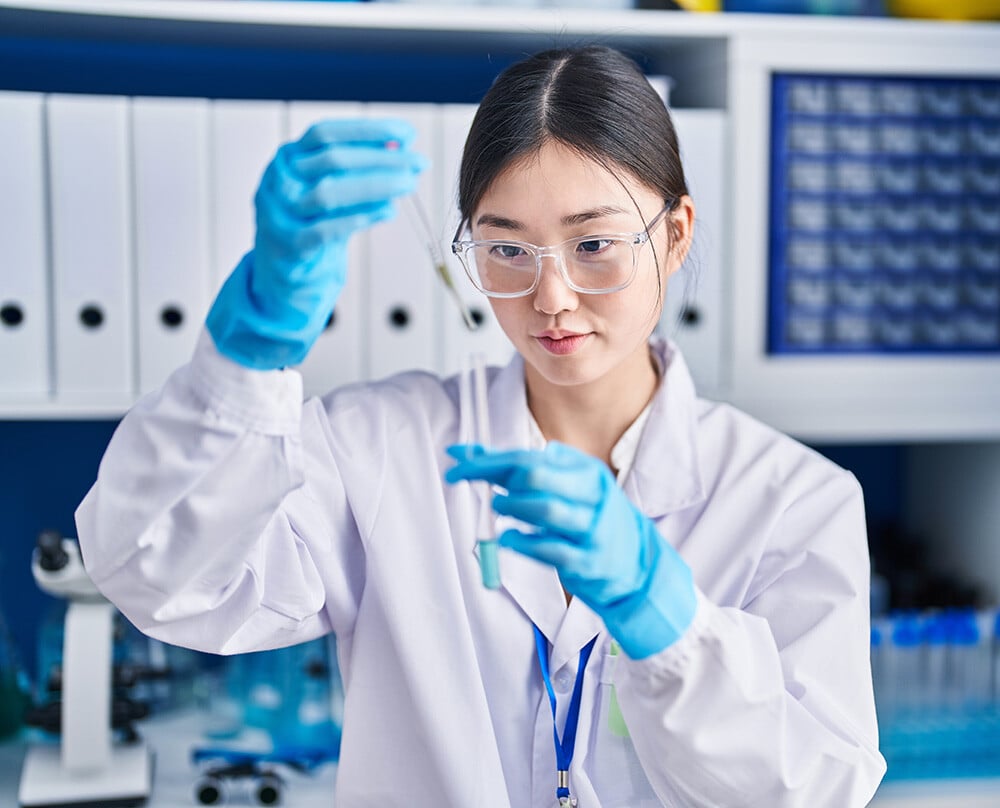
(126, 782)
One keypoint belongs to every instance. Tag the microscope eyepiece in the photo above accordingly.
(51, 555)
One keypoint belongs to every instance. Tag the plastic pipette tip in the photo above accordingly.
(489, 563)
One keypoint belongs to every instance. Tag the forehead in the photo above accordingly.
(557, 175)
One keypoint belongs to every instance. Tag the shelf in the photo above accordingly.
(90, 408)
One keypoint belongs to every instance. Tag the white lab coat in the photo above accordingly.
(228, 517)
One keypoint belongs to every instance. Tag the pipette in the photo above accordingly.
(422, 225)
(474, 375)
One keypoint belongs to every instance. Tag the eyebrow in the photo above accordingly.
(504, 223)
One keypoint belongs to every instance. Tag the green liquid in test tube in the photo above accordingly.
(489, 562)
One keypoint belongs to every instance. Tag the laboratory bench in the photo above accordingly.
(172, 738)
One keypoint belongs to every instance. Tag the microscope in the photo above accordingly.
(88, 767)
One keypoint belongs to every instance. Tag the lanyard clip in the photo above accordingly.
(562, 790)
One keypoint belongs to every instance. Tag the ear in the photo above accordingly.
(680, 232)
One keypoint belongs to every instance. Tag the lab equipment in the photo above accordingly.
(337, 179)
(282, 711)
(605, 550)
(422, 224)
(87, 766)
(474, 406)
(291, 695)
(889, 177)
(259, 771)
(937, 715)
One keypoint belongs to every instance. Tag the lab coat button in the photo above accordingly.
(563, 681)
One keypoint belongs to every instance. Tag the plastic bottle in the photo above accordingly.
(972, 658)
(905, 668)
(937, 674)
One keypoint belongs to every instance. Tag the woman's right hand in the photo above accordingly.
(339, 177)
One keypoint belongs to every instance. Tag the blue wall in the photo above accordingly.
(47, 468)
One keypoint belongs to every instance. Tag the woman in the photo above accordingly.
(683, 613)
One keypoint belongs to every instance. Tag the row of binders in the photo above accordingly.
(120, 218)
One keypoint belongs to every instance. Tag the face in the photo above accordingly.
(567, 337)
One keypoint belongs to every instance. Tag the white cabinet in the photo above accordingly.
(864, 395)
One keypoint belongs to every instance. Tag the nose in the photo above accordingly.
(552, 294)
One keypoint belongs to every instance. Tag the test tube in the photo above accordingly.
(489, 563)
(422, 225)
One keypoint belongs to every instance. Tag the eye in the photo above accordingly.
(592, 246)
(508, 252)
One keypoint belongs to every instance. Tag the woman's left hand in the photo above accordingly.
(605, 550)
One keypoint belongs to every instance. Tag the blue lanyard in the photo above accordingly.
(564, 748)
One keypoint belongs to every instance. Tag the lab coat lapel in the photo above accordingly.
(578, 628)
(534, 587)
(665, 475)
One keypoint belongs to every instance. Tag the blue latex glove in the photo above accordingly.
(339, 177)
(607, 553)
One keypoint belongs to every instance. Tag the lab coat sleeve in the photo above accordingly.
(771, 704)
(218, 520)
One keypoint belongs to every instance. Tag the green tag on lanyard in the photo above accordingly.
(616, 721)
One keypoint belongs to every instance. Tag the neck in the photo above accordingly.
(592, 417)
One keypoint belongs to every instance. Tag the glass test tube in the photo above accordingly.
(421, 224)
(489, 563)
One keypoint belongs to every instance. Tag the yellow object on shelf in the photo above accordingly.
(700, 5)
(945, 9)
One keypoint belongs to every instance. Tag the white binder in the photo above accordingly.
(693, 313)
(458, 341)
(244, 137)
(337, 356)
(405, 294)
(91, 246)
(24, 305)
(170, 151)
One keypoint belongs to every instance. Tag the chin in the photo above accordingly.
(566, 371)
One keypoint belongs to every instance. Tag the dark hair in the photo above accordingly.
(593, 99)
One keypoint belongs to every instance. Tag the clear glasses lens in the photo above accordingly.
(593, 264)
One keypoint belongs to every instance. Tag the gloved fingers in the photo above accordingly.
(542, 546)
(341, 158)
(343, 224)
(465, 451)
(548, 512)
(488, 465)
(331, 195)
(373, 131)
(576, 478)
(285, 236)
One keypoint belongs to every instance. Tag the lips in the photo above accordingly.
(561, 343)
